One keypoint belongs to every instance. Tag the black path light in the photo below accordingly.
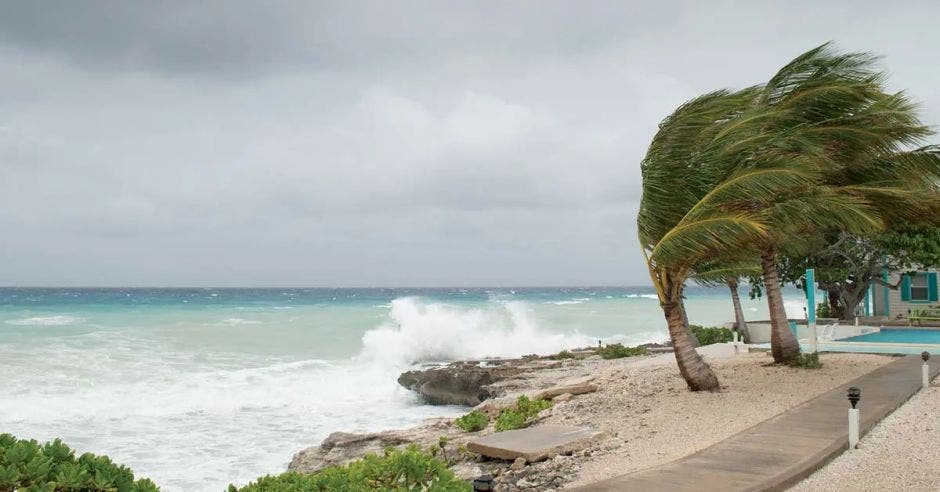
(483, 483)
(925, 370)
(855, 394)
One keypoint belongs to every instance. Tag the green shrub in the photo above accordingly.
(27, 465)
(473, 421)
(520, 414)
(564, 354)
(510, 419)
(712, 334)
(823, 310)
(398, 470)
(618, 351)
(807, 361)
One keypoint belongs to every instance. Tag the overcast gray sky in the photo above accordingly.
(232, 143)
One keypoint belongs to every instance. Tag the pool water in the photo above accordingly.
(913, 336)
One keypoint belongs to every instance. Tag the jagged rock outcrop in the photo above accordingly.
(469, 383)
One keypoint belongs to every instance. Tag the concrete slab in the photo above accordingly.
(534, 443)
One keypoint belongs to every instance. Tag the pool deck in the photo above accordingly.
(779, 452)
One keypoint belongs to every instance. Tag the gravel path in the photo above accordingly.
(900, 453)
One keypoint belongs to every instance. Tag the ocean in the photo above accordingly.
(199, 388)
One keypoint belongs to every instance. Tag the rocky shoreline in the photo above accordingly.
(640, 404)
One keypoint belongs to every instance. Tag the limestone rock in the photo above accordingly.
(572, 387)
(463, 383)
(518, 464)
(534, 443)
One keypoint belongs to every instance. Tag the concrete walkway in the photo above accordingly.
(781, 451)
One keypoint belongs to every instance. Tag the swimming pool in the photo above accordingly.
(899, 335)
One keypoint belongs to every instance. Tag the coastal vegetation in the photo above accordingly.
(712, 334)
(735, 179)
(618, 351)
(473, 421)
(520, 414)
(52, 466)
(406, 469)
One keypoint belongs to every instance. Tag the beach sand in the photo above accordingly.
(651, 417)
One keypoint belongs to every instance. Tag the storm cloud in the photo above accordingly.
(231, 143)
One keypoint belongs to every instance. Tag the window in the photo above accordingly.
(919, 289)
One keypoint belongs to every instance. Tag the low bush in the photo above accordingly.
(823, 310)
(520, 414)
(711, 334)
(618, 351)
(397, 470)
(807, 361)
(28, 465)
(509, 420)
(564, 354)
(473, 421)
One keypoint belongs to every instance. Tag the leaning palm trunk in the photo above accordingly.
(740, 325)
(693, 368)
(685, 322)
(783, 343)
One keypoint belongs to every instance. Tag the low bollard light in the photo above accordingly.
(855, 395)
(925, 370)
(483, 483)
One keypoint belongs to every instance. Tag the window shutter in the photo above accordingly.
(905, 287)
(932, 286)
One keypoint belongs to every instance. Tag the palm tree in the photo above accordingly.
(678, 234)
(826, 111)
(757, 171)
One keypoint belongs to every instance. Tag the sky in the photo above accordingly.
(438, 143)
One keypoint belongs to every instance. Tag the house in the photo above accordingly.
(916, 292)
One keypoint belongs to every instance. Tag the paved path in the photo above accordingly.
(781, 451)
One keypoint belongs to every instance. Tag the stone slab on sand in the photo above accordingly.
(534, 443)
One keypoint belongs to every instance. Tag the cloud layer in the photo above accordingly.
(353, 143)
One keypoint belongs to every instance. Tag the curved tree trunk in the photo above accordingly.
(783, 344)
(688, 327)
(740, 325)
(693, 368)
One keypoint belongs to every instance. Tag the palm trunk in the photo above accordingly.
(783, 343)
(740, 325)
(688, 327)
(693, 368)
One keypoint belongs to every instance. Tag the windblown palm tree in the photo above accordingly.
(832, 109)
(760, 169)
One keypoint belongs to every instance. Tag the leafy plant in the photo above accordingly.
(807, 361)
(473, 421)
(711, 334)
(397, 470)
(619, 351)
(509, 420)
(823, 310)
(520, 414)
(564, 354)
(27, 465)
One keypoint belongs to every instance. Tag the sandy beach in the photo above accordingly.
(651, 417)
(642, 405)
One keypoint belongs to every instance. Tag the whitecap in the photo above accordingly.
(643, 296)
(60, 320)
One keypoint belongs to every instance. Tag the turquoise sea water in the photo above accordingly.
(196, 388)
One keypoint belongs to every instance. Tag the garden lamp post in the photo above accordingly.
(925, 369)
(855, 395)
